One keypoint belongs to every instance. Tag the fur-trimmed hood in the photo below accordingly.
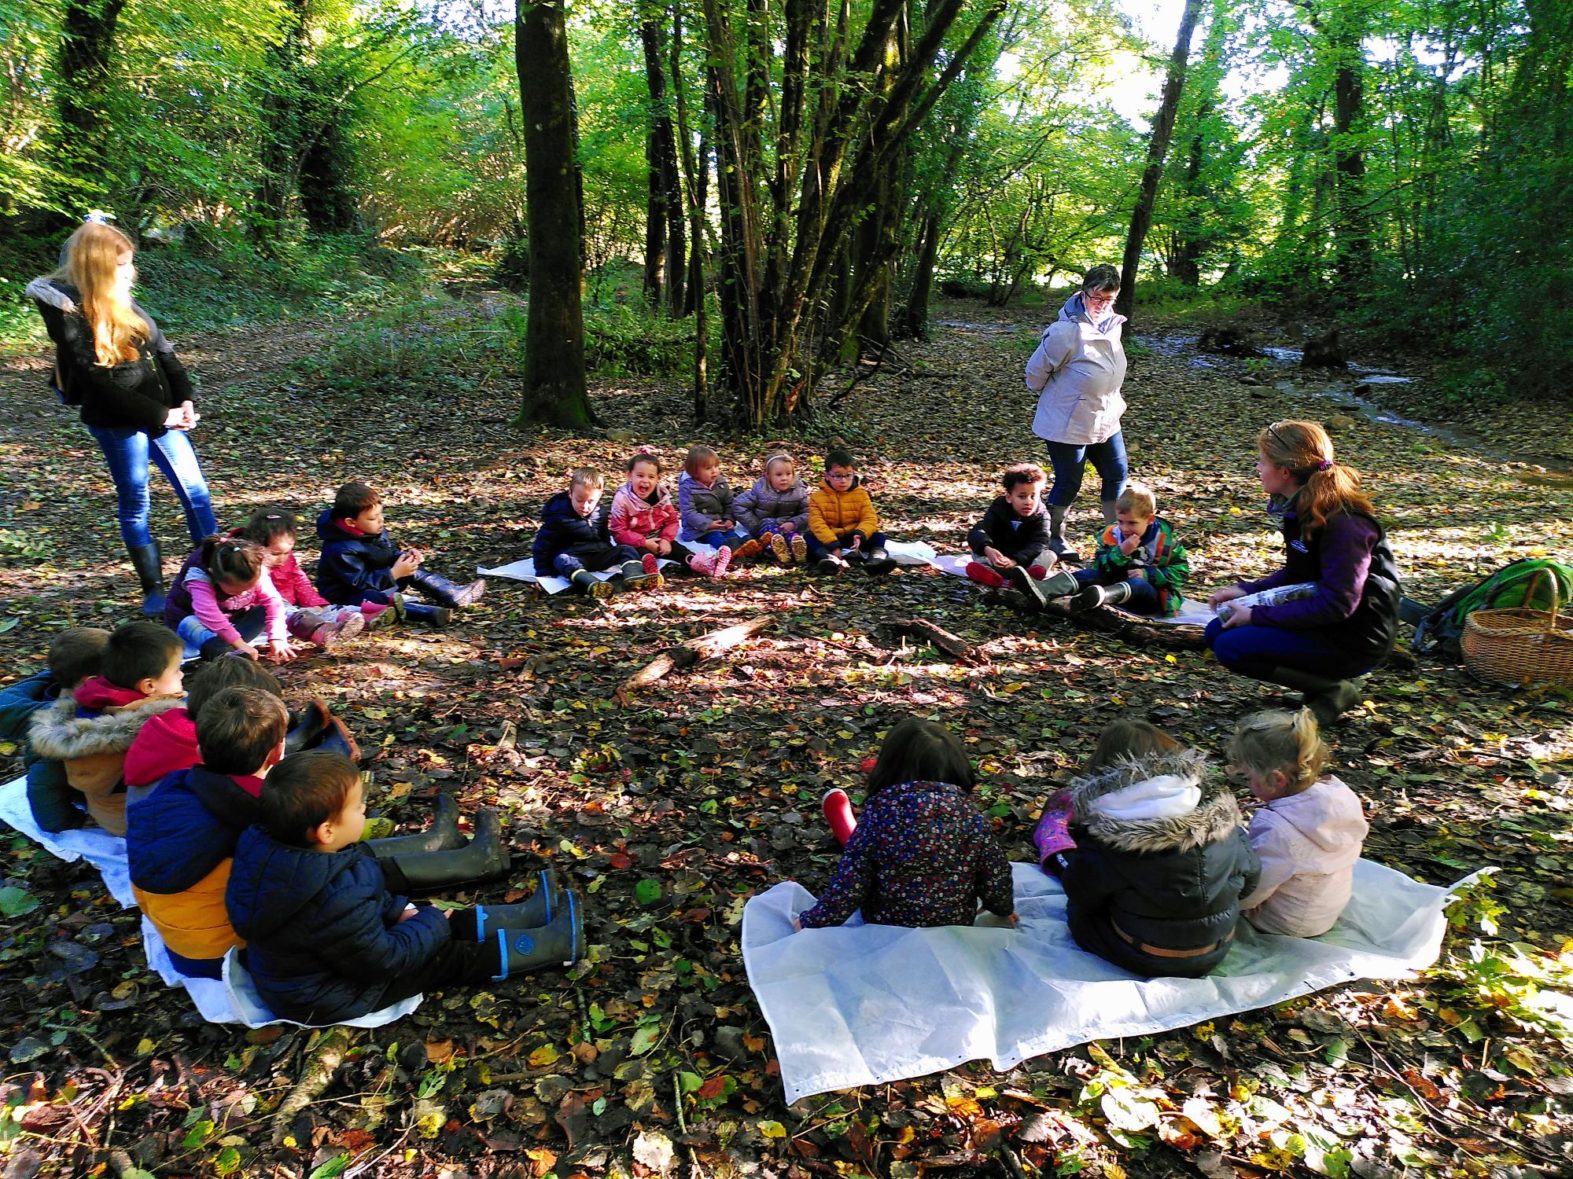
(1214, 818)
(58, 734)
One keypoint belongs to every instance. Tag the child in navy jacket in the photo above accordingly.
(1012, 539)
(573, 541)
(75, 655)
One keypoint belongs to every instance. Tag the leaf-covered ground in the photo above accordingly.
(670, 812)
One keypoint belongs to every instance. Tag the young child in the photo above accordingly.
(644, 519)
(90, 730)
(168, 742)
(307, 614)
(181, 838)
(704, 501)
(572, 542)
(326, 941)
(361, 563)
(1309, 832)
(75, 654)
(843, 527)
(1323, 644)
(921, 854)
(220, 601)
(1160, 862)
(1012, 539)
(774, 511)
(1140, 563)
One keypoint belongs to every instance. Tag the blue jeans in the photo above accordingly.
(128, 451)
(817, 551)
(195, 635)
(1255, 650)
(1143, 599)
(717, 538)
(1069, 461)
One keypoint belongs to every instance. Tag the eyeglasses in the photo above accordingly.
(1098, 298)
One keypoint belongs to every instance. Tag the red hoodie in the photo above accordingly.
(166, 743)
(97, 694)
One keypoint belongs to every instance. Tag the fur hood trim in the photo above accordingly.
(46, 290)
(1216, 817)
(58, 734)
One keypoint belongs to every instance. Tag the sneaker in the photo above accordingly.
(746, 551)
(651, 564)
(799, 549)
(347, 625)
(702, 563)
(778, 546)
(378, 616)
(985, 575)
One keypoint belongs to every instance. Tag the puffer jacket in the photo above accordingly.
(92, 746)
(702, 506)
(352, 567)
(323, 934)
(179, 844)
(832, 514)
(138, 394)
(763, 502)
(1308, 843)
(1078, 372)
(1172, 882)
(634, 520)
(564, 530)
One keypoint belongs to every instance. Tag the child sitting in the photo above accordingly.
(573, 543)
(704, 501)
(644, 519)
(1013, 536)
(921, 854)
(1160, 862)
(308, 615)
(774, 510)
(220, 601)
(1140, 563)
(360, 563)
(75, 654)
(843, 527)
(1309, 832)
(327, 942)
(90, 730)
(168, 742)
(180, 839)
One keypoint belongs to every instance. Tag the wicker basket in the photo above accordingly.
(1520, 646)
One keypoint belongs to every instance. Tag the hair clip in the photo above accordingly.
(1324, 465)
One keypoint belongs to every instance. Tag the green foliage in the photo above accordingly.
(628, 340)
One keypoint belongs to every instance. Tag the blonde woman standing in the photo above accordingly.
(134, 394)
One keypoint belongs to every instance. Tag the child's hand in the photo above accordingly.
(1228, 594)
(280, 651)
(1130, 544)
(1239, 616)
(246, 649)
(998, 559)
(409, 911)
(1014, 920)
(663, 548)
(406, 565)
(797, 926)
(723, 525)
(653, 543)
(857, 541)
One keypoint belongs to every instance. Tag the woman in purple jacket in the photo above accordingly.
(1320, 644)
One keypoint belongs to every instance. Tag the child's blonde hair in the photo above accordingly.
(1137, 499)
(1126, 740)
(1279, 740)
(699, 457)
(779, 456)
(587, 477)
(1307, 452)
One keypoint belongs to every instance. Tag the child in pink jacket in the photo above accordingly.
(1309, 831)
(308, 615)
(644, 517)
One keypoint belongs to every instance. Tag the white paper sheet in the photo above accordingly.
(525, 571)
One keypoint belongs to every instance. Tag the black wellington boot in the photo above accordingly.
(1327, 698)
(435, 586)
(878, 562)
(540, 909)
(483, 858)
(146, 561)
(307, 726)
(438, 616)
(442, 835)
(560, 943)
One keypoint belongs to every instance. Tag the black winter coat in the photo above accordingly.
(138, 394)
(1022, 540)
(564, 530)
(351, 567)
(1174, 883)
(323, 935)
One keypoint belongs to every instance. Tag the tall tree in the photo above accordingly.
(554, 382)
(1157, 150)
(87, 43)
(664, 236)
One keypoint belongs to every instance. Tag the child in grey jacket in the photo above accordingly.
(775, 509)
(704, 498)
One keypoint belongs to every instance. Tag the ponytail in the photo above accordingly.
(1327, 486)
(237, 561)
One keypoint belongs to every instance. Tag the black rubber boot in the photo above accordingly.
(561, 943)
(216, 648)
(1057, 543)
(541, 909)
(438, 616)
(1327, 698)
(307, 726)
(483, 858)
(150, 572)
(445, 593)
(877, 562)
(1056, 585)
(1094, 596)
(442, 835)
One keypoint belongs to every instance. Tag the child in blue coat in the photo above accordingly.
(75, 656)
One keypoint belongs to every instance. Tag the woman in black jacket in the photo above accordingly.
(135, 396)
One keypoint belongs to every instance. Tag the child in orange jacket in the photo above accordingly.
(843, 528)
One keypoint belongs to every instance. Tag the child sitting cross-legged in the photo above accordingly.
(920, 854)
(308, 615)
(573, 542)
(1012, 539)
(843, 528)
(75, 655)
(704, 500)
(222, 601)
(774, 510)
(644, 518)
(1309, 830)
(1140, 563)
(90, 730)
(325, 939)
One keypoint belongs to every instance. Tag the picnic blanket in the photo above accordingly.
(233, 999)
(864, 1004)
(1192, 612)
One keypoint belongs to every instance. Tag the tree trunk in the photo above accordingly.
(914, 320)
(87, 44)
(1346, 34)
(695, 173)
(1157, 149)
(554, 382)
(656, 212)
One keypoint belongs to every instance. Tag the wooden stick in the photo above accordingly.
(953, 645)
(686, 654)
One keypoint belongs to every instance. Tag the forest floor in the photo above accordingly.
(670, 812)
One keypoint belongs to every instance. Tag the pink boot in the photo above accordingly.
(1053, 834)
(702, 563)
(376, 614)
(723, 558)
(837, 809)
(343, 623)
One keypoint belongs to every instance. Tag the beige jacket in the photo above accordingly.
(1308, 844)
